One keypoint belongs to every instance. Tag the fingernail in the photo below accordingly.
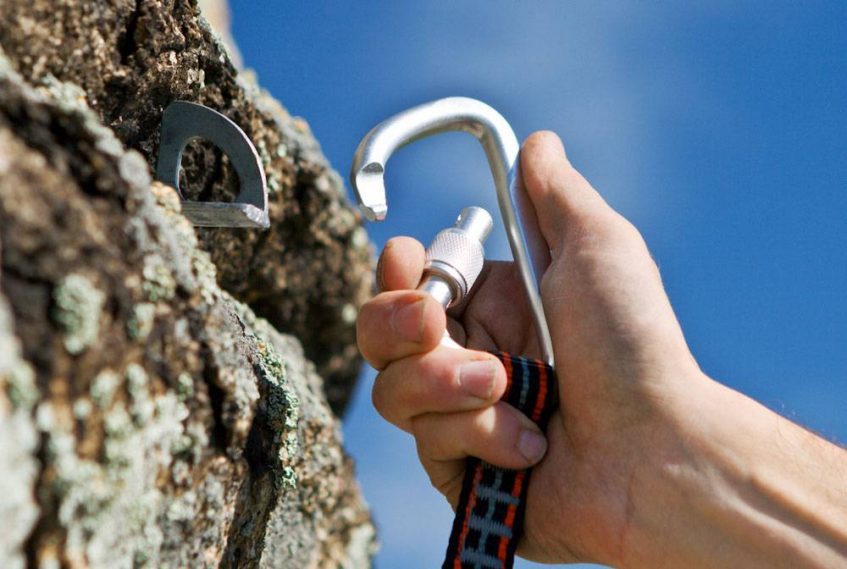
(532, 446)
(408, 322)
(477, 378)
(380, 266)
(380, 269)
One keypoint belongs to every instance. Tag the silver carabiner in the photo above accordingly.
(531, 253)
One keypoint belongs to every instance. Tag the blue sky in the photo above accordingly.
(719, 128)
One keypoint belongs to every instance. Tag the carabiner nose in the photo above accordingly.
(531, 253)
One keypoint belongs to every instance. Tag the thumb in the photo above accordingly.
(564, 201)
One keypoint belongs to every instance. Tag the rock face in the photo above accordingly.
(310, 271)
(158, 402)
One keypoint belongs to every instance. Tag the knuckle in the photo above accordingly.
(409, 387)
(439, 375)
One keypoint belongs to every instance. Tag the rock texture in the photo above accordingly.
(148, 416)
(217, 14)
(308, 274)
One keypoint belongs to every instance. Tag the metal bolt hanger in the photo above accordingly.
(183, 122)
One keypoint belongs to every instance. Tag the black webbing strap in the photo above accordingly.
(489, 516)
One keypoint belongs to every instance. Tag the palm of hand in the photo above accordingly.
(495, 318)
(581, 496)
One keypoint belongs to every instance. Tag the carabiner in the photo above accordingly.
(531, 253)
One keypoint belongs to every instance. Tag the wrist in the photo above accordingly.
(742, 486)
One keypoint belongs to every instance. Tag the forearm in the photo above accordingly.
(748, 488)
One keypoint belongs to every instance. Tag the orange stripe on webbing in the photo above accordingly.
(518, 486)
(511, 513)
(503, 549)
(542, 393)
(460, 545)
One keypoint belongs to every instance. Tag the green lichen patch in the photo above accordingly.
(205, 273)
(159, 283)
(182, 509)
(20, 386)
(82, 409)
(282, 402)
(111, 509)
(282, 406)
(184, 386)
(292, 445)
(77, 307)
(288, 479)
(140, 322)
(169, 205)
(103, 388)
(137, 386)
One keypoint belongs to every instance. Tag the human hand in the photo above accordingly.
(635, 410)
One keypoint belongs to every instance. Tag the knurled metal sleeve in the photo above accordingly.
(464, 254)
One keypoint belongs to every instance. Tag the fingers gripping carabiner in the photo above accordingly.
(530, 251)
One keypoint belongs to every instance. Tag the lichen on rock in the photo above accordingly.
(77, 306)
(18, 441)
(147, 417)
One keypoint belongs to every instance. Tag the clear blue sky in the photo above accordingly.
(719, 128)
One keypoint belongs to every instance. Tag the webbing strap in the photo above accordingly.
(489, 516)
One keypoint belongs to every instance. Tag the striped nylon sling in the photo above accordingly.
(489, 516)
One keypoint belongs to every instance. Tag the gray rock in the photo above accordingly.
(148, 417)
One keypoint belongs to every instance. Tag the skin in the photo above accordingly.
(648, 462)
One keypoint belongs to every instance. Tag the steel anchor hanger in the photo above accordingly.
(183, 122)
